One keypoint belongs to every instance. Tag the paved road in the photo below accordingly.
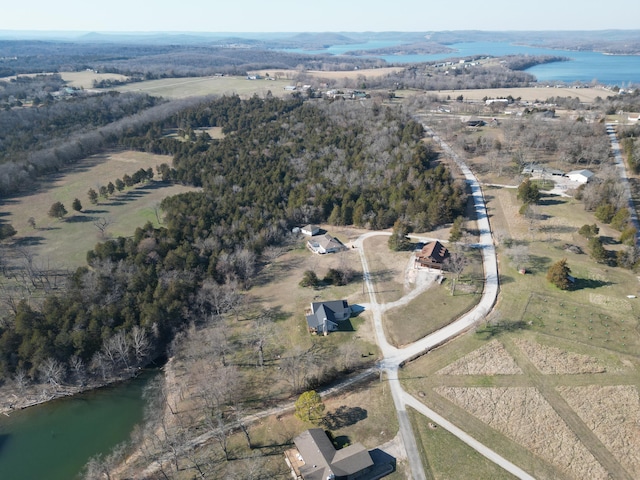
(394, 357)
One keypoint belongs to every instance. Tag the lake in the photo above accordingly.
(620, 70)
(53, 441)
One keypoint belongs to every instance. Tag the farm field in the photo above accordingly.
(201, 86)
(64, 243)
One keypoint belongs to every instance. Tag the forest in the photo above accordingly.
(281, 163)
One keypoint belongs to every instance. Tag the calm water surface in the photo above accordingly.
(53, 441)
(618, 70)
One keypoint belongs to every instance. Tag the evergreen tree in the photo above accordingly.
(528, 192)
(57, 210)
(93, 196)
(76, 205)
(398, 240)
(559, 273)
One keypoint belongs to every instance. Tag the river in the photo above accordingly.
(585, 67)
(53, 441)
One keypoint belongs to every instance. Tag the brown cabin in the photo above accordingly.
(432, 255)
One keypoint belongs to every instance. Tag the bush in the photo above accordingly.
(628, 235)
(598, 252)
(334, 277)
(605, 212)
(589, 231)
(309, 279)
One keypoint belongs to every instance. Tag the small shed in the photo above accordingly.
(310, 230)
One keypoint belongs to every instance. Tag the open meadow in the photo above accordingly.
(201, 86)
(63, 243)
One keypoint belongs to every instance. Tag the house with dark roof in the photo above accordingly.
(432, 255)
(319, 459)
(323, 317)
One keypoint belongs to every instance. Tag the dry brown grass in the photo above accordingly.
(387, 269)
(613, 414)
(490, 359)
(556, 361)
(530, 94)
(526, 417)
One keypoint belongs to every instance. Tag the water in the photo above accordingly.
(586, 67)
(53, 441)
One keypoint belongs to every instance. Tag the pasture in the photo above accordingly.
(202, 86)
(64, 243)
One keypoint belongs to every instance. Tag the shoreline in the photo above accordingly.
(11, 400)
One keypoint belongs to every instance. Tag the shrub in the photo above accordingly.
(309, 279)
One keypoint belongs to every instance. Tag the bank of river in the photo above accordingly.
(53, 441)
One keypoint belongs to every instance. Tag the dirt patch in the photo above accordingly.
(554, 361)
(490, 359)
(524, 415)
(615, 303)
(613, 414)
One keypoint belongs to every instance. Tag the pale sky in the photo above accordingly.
(318, 15)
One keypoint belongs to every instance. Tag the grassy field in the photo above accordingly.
(445, 457)
(199, 86)
(436, 307)
(387, 269)
(64, 243)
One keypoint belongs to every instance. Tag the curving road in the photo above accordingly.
(394, 357)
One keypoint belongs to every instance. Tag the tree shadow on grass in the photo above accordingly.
(583, 283)
(81, 219)
(492, 330)
(539, 264)
(28, 241)
(344, 416)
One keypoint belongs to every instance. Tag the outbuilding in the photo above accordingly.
(580, 176)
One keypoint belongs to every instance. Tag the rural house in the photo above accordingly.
(432, 255)
(322, 244)
(323, 317)
(318, 459)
